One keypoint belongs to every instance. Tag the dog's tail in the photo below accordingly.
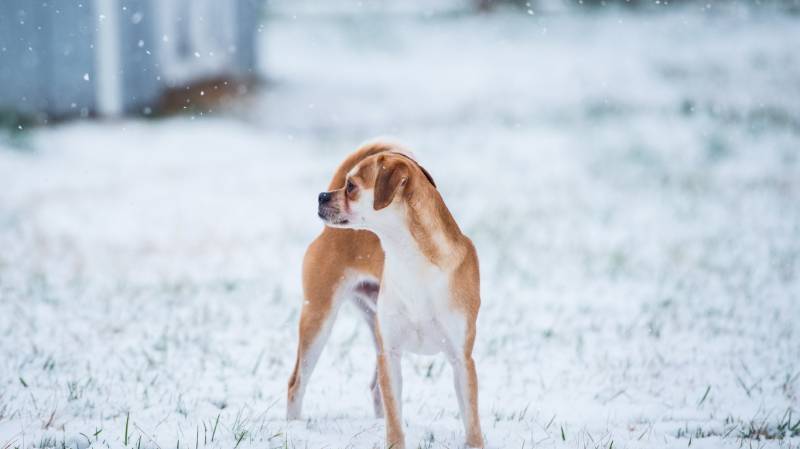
(363, 152)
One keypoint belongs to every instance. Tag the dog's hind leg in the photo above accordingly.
(322, 290)
(367, 299)
(315, 328)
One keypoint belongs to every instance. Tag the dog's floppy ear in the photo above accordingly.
(391, 177)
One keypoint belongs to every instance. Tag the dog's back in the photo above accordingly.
(354, 158)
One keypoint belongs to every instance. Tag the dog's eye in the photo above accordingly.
(350, 186)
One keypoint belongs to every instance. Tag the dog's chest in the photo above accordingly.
(414, 307)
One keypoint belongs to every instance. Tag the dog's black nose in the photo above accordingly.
(324, 197)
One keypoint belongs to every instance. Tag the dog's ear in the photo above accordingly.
(391, 177)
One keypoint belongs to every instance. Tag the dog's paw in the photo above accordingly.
(293, 413)
(474, 443)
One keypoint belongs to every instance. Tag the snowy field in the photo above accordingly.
(631, 182)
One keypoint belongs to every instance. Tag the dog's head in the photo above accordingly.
(374, 193)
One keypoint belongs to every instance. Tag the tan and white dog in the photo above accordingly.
(392, 247)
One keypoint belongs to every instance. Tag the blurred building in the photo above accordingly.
(112, 57)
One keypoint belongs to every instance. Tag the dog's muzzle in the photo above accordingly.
(327, 212)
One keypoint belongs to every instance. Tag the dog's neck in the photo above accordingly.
(427, 230)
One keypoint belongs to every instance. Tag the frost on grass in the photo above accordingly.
(630, 181)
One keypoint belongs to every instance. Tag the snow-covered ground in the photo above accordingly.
(631, 181)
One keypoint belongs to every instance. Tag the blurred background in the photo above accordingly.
(628, 171)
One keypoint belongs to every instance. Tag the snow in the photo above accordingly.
(631, 182)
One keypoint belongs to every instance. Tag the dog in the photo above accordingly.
(391, 245)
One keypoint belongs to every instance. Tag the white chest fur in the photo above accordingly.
(414, 305)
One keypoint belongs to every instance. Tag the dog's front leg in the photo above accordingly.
(466, 383)
(390, 377)
(465, 379)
